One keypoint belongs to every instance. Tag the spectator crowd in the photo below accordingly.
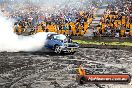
(30, 20)
(117, 20)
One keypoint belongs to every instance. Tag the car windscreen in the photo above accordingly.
(59, 37)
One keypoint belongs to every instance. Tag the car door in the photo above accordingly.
(51, 42)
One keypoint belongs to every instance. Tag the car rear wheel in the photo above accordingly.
(57, 49)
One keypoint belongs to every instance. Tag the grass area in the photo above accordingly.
(100, 43)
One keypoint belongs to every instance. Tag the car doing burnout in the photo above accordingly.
(59, 43)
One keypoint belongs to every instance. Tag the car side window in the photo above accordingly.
(49, 37)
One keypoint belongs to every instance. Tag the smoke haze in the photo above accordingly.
(11, 42)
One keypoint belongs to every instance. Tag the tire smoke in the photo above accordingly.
(10, 42)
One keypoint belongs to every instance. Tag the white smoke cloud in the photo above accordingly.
(11, 42)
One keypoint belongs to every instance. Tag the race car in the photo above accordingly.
(59, 43)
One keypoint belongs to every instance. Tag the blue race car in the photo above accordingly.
(59, 43)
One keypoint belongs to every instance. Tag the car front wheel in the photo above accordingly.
(57, 49)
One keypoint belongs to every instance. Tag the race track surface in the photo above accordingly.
(48, 70)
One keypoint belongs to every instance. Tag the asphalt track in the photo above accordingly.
(48, 70)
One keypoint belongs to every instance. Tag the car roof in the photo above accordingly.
(52, 34)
